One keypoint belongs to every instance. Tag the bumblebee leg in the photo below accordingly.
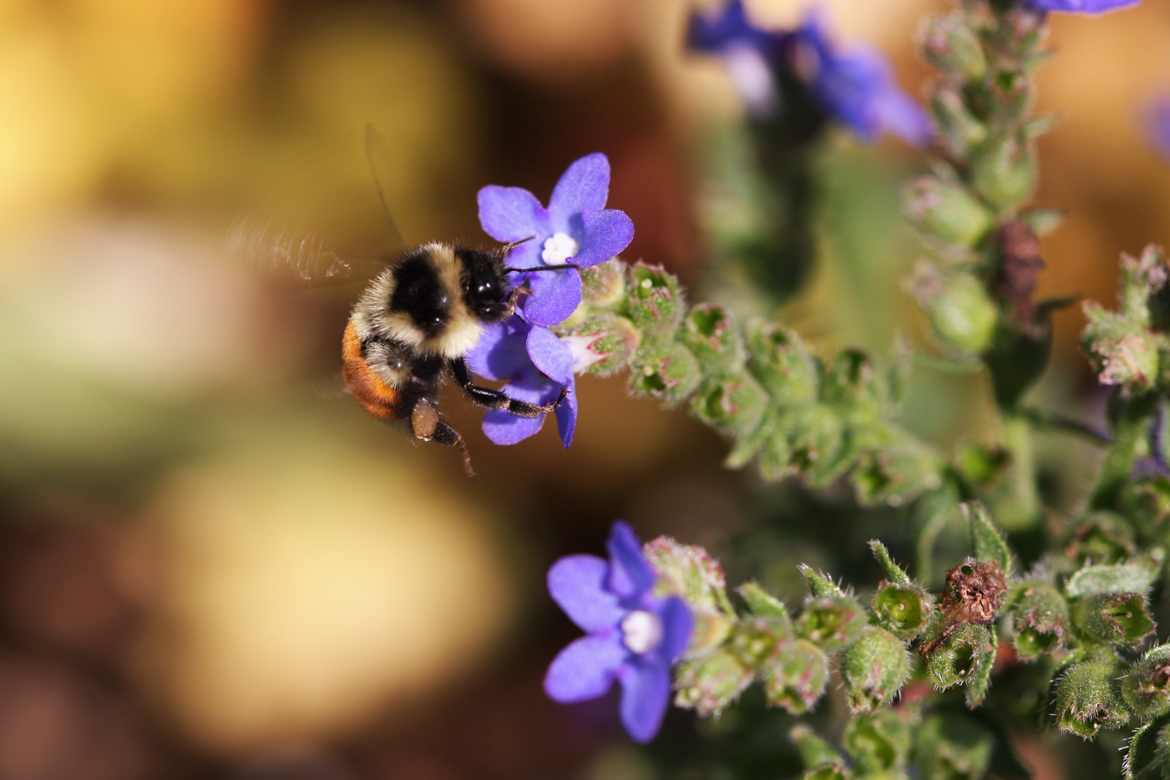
(490, 398)
(427, 425)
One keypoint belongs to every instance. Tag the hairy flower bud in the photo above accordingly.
(962, 655)
(667, 373)
(874, 669)
(734, 403)
(711, 334)
(818, 756)
(708, 683)
(782, 363)
(952, 746)
(961, 312)
(880, 741)
(603, 286)
(949, 43)
(654, 300)
(1121, 351)
(1038, 620)
(1117, 618)
(689, 571)
(816, 434)
(902, 609)
(1147, 501)
(601, 343)
(957, 126)
(945, 210)
(897, 471)
(1100, 537)
(832, 622)
(1146, 687)
(1087, 699)
(1004, 171)
(795, 676)
(854, 381)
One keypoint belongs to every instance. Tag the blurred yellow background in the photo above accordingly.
(213, 564)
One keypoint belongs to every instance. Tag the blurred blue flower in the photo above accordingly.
(856, 88)
(536, 366)
(1157, 120)
(631, 637)
(576, 228)
(1082, 6)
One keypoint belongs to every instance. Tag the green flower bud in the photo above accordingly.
(1004, 172)
(1120, 351)
(775, 456)
(852, 380)
(754, 639)
(952, 746)
(1118, 618)
(957, 126)
(949, 43)
(832, 771)
(814, 751)
(880, 741)
(734, 403)
(895, 473)
(795, 676)
(832, 622)
(1146, 687)
(816, 436)
(945, 210)
(654, 300)
(708, 683)
(1038, 620)
(603, 286)
(904, 609)
(763, 604)
(1143, 278)
(782, 363)
(1100, 537)
(669, 373)
(602, 342)
(961, 655)
(691, 573)
(962, 314)
(874, 669)
(1147, 501)
(711, 334)
(1087, 699)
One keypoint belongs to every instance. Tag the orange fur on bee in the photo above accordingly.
(370, 390)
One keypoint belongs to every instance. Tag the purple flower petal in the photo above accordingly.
(550, 355)
(601, 235)
(526, 255)
(900, 115)
(677, 626)
(501, 354)
(577, 584)
(554, 296)
(585, 669)
(566, 415)
(645, 694)
(510, 213)
(1082, 6)
(584, 186)
(630, 574)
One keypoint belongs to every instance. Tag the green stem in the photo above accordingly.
(1131, 423)
(1024, 510)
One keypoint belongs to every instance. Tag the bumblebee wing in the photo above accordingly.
(300, 259)
(378, 156)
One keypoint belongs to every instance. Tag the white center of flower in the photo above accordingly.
(558, 249)
(642, 631)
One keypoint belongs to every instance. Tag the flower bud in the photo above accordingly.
(1087, 699)
(957, 126)
(691, 573)
(1100, 537)
(795, 676)
(852, 380)
(1146, 687)
(1038, 620)
(816, 754)
(654, 300)
(874, 669)
(602, 343)
(1117, 618)
(731, 403)
(763, 604)
(775, 456)
(1004, 172)
(832, 622)
(952, 746)
(1147, 501)
(782, 363)
(1121, 351)
(710, 682)
(603, 286)
(668, 373)
(894, 473)
(962, 655)
(815, 434)
(904, 609)
(949, 43)
(711, 334)
(962, 314)
(880, 741)
(945, 210)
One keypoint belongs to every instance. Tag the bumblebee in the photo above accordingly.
(413, 326)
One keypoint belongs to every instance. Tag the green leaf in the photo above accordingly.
(988, 541)
(1132, 577)
(894, 572)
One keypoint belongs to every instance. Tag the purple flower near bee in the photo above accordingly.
(1082, 6)
(632, 637)
(854, 88)
(536, 366)
(576, 229)
(1157, 121)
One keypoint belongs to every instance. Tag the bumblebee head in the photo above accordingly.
(485, 288)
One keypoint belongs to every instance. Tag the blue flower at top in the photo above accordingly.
(631, 636)
(856, 88)
(576, 229)
(1082, 6)
(536, 365)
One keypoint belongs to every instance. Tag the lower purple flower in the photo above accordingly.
(632, 637)
(536, 366)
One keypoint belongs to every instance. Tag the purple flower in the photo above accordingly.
(536, 365)
(632, 637)
(576, 229)
(855, 88)
(1082, 6)
(1157, 120)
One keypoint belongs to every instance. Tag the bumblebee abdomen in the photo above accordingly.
(379, 397)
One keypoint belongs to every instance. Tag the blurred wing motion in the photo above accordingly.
(301, 259)
(378, 155)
